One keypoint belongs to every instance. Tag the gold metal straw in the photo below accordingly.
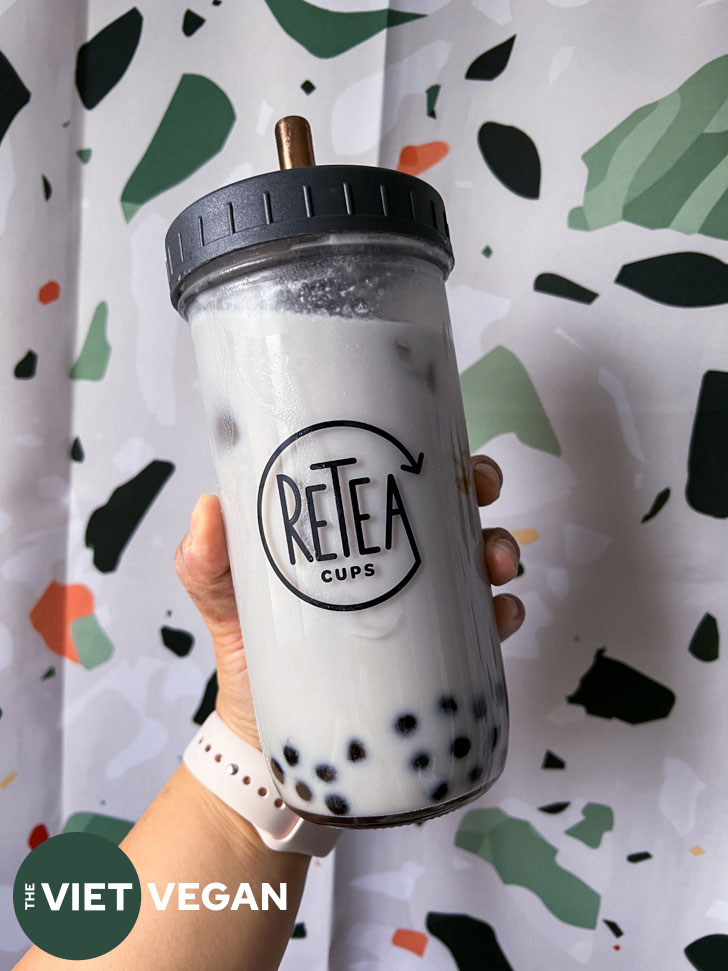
(293, 141)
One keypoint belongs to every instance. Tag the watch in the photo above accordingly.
(237, 772)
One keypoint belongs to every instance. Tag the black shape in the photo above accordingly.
(707, 486)
(448, 704)
(639, 857)
(552, 761)
(277, 769)
(521, 570)
(420, 761)
(299, 930)
(337, 805)
(226, 430)
(178, 641)
(304, 792)
(480, 706)
(13, 94)
(678, 279)
(207, 705)
(356, 750)
(307, 87)
(216, 3)
(77, 452)
(489, 65)
(613, 927)
(47, 188)
(709, 953)
(560, 286)
(191, 22)
(495, 738)
(705, 642)
(461, 746)
(512, 158)
(613, 689)
(48, 673)
(1, 713)
(471, 942)
(554, 807)
(112, 525)
(25, 368)
(290, 754)
(475, 773)
(405, 724)
(659, 501)
(102, 61)
(326, 772)
(439, 792)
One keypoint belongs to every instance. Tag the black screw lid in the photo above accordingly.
(301, 202)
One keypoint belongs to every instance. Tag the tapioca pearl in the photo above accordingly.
(480, 706)
(494, 740)
(357, 752)
(476, 773)
(290, 754)
(420, 761)
(226, 429)
(461, 746)
(439, 792)
(405, 724)
(448, 705)
(278, 770)
(337, 804)
(304, 792)
(326, 772)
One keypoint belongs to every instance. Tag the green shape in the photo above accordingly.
(499, 397)
(299, 931)
(561, 286)
(709, 953)
(432, 94)
(110, 827)
(705, 642)
(48, 673)
(639, 857)
(327, 33)
(521, 856)
(666, 165)
(193, 130)
(659, 501)
(597, 819)
(90, 641)
(94, 357)
(85, 155)
(717, 219)
(487, 252)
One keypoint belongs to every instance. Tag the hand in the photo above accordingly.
(203, 566)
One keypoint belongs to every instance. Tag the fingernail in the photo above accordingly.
(507, 546)
(514, 606)
(486, 469)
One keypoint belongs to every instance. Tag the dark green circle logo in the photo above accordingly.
(77, 896)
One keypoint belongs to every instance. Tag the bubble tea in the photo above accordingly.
(316, 302)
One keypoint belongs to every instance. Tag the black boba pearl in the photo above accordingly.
(439, 792)
(475, 773)
(495, 737)
(480, 707)
(406, 724)
(420, 761)
(290, 754)
(277, 770)
(337, 804)
(461, 746)
(448, 704)
(303, 791)
(226, 429)
(356, 750)
(326, 772)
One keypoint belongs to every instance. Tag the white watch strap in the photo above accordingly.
(238, 774)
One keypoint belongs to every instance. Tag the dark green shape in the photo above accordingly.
(94, 357)
(660, 500)
(492, 63)
(327, 33)
(709, 953)
(613, 689)
(512, 157)
(179, 641)
(560, 286)
(308, 87)
(432, 95)
(110, 827)
(499, 397)
(85, 155)
(554, 807)
(487, 252)
(25, 368)
(209, 698)
(717, 219)
(48, 673)
(299, 930)
(521, 856)
(77, 858)
(472, 943)
(614, 927)
(705, 642)
(77, 452)
(552, 761)
(103, 60)
(639, 857)
(194, 128)
(678, 279)
(597, 819)
(191, 22)
(47, 188)
(13, 94)
(521, 570)
(707, 485)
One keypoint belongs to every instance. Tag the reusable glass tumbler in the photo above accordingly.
(317, 307)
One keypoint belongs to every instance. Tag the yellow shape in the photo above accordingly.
(7, 780)
(696, 850)
(525, 536)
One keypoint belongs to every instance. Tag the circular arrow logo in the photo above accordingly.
(339, 504)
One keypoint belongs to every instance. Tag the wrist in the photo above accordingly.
(243, 725)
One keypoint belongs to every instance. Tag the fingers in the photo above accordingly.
(488, 479)
(502, 555)
(509, 614)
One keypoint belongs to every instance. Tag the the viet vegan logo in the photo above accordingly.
(336, 513)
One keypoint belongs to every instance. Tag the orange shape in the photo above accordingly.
(56, 610)
(414, 159)
(8, 779)
(414, 941)
(49, 292)
(696, 850)
(525, 536)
